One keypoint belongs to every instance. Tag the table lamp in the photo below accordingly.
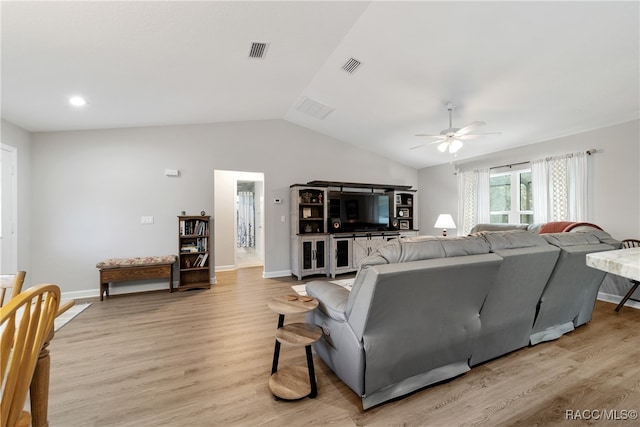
(444, 221)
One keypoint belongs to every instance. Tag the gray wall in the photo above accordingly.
(81, 194)
(91, 187)
(21, 140)
(614, 177)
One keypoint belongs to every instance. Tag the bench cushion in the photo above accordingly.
(136, 262)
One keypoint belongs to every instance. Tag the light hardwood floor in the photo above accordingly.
(203, 358)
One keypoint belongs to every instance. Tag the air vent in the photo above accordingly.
(314, 108)
(351, 65)
(258, 50)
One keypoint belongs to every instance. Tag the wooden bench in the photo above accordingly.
(141, 268)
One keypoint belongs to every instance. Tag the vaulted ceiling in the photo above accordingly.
(531, 70)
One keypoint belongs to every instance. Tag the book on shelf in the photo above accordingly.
(189, 248)
(198, 261)
(204, 259)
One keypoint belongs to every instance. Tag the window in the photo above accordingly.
(511, 197)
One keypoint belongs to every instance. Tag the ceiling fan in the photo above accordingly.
(452, 138)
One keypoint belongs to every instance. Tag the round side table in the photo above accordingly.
(294, 382)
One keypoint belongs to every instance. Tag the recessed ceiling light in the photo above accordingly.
(77, 101)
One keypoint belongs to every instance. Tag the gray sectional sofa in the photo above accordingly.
(426, 309)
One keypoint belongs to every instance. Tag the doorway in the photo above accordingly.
(238, 219)
(8, 210)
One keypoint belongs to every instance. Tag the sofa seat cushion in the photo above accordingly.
(136, 262)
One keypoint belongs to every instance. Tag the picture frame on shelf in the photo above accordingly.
(398, 199)
(404, 225)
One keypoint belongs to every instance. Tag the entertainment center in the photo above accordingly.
(335, 225)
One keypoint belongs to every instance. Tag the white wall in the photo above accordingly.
(91, 187)
(21, 140)
(614, 177)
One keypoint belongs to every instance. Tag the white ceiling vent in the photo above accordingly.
(314, 108)
(258, 50)
(351, 65)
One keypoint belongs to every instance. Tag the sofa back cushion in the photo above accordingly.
(571, 239)
(416, 316)
(513, 239)
(497, 227)
(417, 249)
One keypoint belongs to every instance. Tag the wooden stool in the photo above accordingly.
(291, 383)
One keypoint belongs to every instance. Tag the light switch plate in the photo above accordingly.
(146, 220)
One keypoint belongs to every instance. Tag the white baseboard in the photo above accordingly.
(226, 267)
(87, 293)
(603, 296)
(273, 274)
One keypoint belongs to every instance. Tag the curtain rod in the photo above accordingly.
(588, 153)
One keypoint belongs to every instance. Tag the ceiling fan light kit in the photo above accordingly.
(452, 138)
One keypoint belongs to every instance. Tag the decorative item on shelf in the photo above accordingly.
(183, 213)
(320, 198)
(307, 228)
(409, 201)
(203, 213)
(444, 221)
(404, 212)
(398, 199)
(404, 225)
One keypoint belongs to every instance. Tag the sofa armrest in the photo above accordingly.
(332, 298)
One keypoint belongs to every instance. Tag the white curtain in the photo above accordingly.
(560, 188)
(246, 220)
(473, 199)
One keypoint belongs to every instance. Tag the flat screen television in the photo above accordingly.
(362, 211)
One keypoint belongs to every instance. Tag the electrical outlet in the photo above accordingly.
(146, 220)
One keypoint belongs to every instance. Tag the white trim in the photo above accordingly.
(273, 274)
(603, 296)
(226, 267)
(88, 293)
(13, 234)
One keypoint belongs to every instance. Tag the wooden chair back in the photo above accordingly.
(25, 322)
(630, 243)
(15, 284)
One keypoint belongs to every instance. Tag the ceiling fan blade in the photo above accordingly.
(416, 146)
(455, 145)
(470, 127)
(439, 141)
(428, 135)
(477, 135)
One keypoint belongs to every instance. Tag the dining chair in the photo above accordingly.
(25, 322)
(628, 244)
(13, 282)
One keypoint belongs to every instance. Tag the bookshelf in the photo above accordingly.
(193, 247)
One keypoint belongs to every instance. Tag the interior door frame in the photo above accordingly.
(11, 234)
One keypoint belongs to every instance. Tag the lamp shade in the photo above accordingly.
(444, 221)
